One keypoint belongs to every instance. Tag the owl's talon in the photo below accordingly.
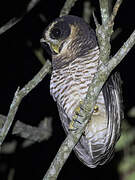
(78, 108)
(71, 125)
(74, 124)
(77, 121)
(74, 129)
(78, 114)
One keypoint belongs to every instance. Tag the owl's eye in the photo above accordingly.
(55, 33)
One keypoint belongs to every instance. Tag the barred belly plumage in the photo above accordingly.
(69, 86)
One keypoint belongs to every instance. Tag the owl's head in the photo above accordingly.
(68, 37)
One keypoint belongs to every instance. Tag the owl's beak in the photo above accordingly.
(54, 47)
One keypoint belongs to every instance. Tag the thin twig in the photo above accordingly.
(35, 81)
(31, 5)
(116, 59)
(15, 20)
(105, 31)
(9, 24)
(35, 134)
(95, 20)
(30, 133)
(13, 109)
(19, 95)
(115, 10)
(67, 7)
(39, 54)
(87, 11)
(11, 174)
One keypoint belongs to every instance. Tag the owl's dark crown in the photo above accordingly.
(69, 37)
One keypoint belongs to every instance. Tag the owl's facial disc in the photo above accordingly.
(55, 36)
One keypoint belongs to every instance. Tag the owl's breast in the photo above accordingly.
(69, 85)
(67, 91)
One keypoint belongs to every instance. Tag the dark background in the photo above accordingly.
(18, 65)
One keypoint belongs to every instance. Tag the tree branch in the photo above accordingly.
(87, 11)
(30, 133)
(105, 30)
(37, 134)
(9, 24)
(15, 20)
(19, 95)
(104, 9)
(122, 52)
(67, 7)
(115, 10)
(39, 54)
(31, 5)
(34, 134)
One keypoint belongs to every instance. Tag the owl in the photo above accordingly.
(75, 59)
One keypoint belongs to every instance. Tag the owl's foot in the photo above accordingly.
(75, 124)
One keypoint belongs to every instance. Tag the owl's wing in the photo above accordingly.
(114, 108)
(112, 97)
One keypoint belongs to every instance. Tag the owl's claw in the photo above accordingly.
(71, 126)
(75, 124)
